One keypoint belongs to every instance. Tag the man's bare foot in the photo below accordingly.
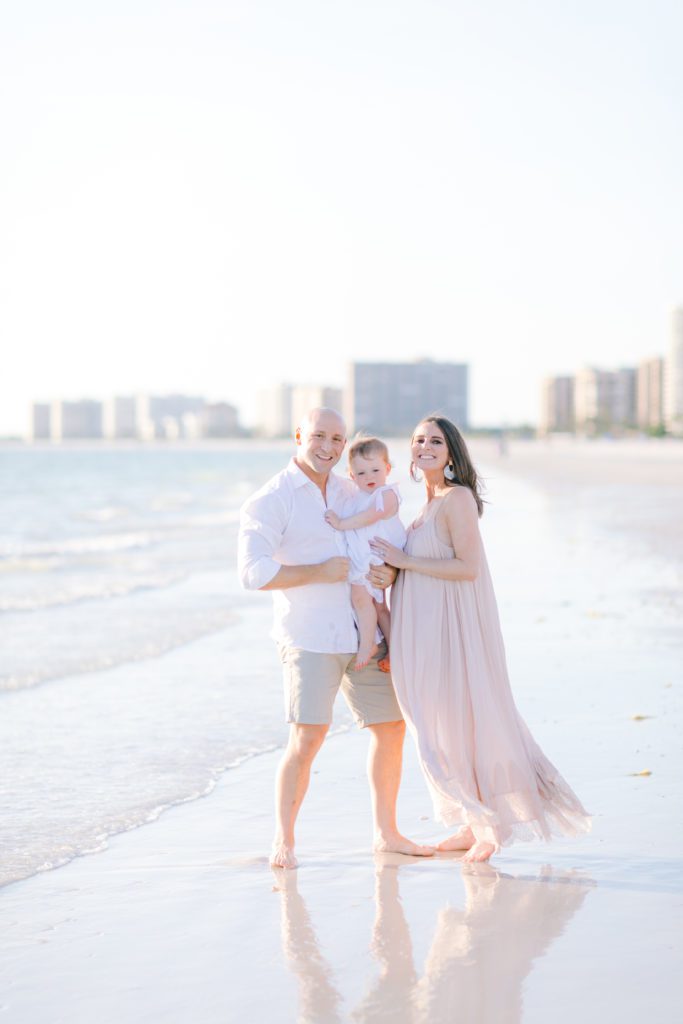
(384, 665)
(282, 856)
(462, 840)
(479, 852)
(364, 655)
(399, 844)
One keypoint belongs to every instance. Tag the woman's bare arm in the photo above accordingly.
(459, 516)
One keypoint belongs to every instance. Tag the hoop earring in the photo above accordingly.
(449, 471)
(414, 473)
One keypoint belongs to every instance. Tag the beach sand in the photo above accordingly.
(183, 919)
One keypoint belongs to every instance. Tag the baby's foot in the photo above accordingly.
(365, 652)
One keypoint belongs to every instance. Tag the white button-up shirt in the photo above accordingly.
(283, 524)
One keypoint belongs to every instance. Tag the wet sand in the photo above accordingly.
(183, 919)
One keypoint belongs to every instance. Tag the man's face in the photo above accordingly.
(321, 442)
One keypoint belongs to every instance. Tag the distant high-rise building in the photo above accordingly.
(161, 416)
(624, 406)
(650, 394)
(275, 411)
(311, 396)
(219, 419)
(119, 418)
(557, 405)
(604, 400)
(39, 429)
(75, 420)
(391, 398)
(673, 376)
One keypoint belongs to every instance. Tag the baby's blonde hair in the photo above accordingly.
(366, 447)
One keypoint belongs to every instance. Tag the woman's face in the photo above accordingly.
(428, 448)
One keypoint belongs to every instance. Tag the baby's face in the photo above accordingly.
(368, 474)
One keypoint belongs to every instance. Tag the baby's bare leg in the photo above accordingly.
(384, 620)
(366, 615)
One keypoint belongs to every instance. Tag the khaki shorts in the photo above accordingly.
(312, 681)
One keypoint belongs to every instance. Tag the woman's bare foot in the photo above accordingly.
(399, 844)
(384, 665)
(462, 840)
(364, 655)
(479, 852)
(282, 856)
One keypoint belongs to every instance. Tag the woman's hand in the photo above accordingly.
(390, 554)
(381, 576)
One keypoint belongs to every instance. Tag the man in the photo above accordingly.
(287, 547)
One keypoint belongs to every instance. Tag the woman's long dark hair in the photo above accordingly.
(464, 472)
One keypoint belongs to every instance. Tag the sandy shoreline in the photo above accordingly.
(184, 919)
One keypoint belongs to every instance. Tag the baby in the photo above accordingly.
(373, 512)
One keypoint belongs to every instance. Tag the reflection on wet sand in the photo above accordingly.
(479, 956)
(319, 1000)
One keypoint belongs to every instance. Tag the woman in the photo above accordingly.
(484, 769)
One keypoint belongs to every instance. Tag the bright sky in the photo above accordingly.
(213, 196)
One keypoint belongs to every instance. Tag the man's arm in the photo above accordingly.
(334, 570)
(262, 523)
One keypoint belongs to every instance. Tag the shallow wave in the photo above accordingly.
(56, 598)
(181, 636)
(96, 838)
(105, 514)
(106, 542)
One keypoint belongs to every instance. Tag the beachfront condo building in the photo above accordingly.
(557, 405)
(160, 417)
(650, 394)
(274, 411)
(281, 409)
(219, 419)
(673, 377)
(119, 418)
(310, 396)
(604, 400)
(39, 425)
(70, 421)
(390, 398)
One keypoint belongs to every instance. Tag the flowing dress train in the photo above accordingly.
(482, 765)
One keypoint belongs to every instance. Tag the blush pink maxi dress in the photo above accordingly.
(482, 765)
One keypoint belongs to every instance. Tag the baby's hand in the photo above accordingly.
(332, 519)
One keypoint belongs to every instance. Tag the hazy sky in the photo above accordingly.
(213, 196)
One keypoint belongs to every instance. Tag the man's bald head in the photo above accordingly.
(322, 415)
(320, 442)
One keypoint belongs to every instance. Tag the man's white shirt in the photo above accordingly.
(283, 524)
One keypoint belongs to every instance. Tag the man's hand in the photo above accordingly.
(332, 519)
(334, 570)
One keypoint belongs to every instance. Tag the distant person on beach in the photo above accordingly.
(286, 546)
(484, 770)
(372, 511)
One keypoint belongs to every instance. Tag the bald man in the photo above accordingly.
(286, 546)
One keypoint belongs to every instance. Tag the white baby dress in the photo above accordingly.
(358, 541)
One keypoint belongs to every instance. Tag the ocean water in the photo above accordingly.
(134, 671)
